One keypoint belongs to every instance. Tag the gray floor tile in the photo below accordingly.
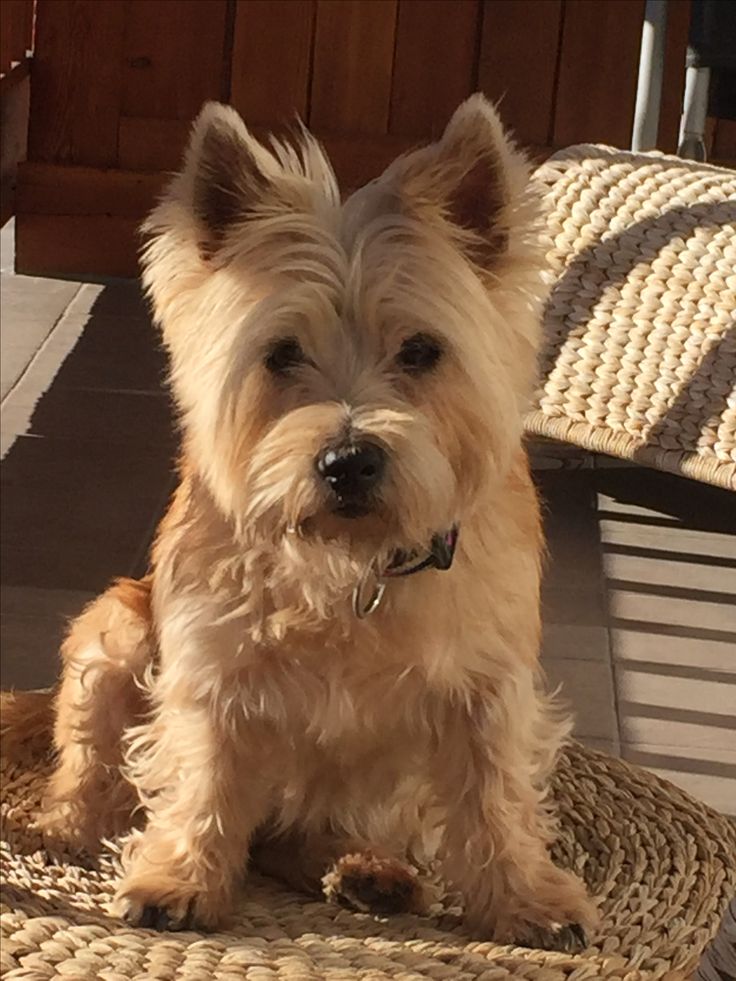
(676, 709)
(694, 545)
(28, 601)
(33, 306)
(584, 606)
(678, 611)
(640, 642)
(30, 651)
(670, 569)
(575, 640)
(33, 623)
(587, 686)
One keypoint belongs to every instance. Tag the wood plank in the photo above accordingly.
(16, 28)
(77, 76)
(76, 245)
(152, 144)
(434, 63)
(47, 189)
(598, 71)
(673, 78)
(174, 57)
(272, 60)
(353, 57)
(358, 159)
(515, 37)
(724, 142)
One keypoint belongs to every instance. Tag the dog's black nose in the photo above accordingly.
(351, 472)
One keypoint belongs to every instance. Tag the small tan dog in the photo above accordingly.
(301, 678)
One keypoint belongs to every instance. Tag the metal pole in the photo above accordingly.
(694, 111)
(649, 84)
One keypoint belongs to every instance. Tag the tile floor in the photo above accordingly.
(640, 592)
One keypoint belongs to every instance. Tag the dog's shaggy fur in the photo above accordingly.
(248, 707)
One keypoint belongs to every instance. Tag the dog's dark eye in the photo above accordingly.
(419, 353)
(285, 354)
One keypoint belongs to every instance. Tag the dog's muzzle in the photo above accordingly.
(352, 472)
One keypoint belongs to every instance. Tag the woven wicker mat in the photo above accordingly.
(663, 865)
(640, 329)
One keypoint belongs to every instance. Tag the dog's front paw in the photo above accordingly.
(563, 919)
(163, 903)
(369, 884)
(176, 917)
(554, 912)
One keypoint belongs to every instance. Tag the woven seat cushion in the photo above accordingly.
(639, 357)
(663, 866)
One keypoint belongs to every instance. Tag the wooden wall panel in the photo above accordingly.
(146, 144)
(272, 59)
(116, 84)
(174, 57)
(77, 78)
(519, 62)
(353, 60)
(73, 245)
(75, 220)
(599, 62)
(51, 190)
(16, 31)
(723, 148)
(434, 63)
(673, 79)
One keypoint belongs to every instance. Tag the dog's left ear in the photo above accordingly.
(229, 178)
(472, 177)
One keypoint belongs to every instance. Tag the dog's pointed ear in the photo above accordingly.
(480, 164)
(472, 177)
(227, 173)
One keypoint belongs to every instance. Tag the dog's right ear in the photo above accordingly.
(227, 174)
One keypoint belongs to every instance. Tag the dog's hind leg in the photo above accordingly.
(105, 656)
(348, 872)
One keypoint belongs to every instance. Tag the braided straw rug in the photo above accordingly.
(663, 866)
(640, 329)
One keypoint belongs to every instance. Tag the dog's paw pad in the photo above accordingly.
(370, 884)
(160, 918)
(568, 939)
(152, 917)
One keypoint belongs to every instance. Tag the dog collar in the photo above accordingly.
(439, 554)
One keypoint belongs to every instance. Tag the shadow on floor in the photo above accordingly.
(83, 490)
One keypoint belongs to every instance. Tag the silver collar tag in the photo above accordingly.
(368, 594)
